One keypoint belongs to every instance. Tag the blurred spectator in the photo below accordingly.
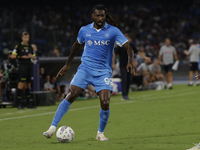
(116, 71)
(143, 70)
(56, 52)
(62, 91)
(47, 84)
(148, 21)
(36, 51)
(53, 82)
(42, 78)
(155, 71)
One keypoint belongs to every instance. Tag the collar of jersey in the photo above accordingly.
(105, 26)
(23, 43)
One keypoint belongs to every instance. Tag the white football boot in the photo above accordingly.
(197, 147)
(49, 133)
(100, 136)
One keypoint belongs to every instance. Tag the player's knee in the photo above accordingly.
(71, 96)
(105, 103)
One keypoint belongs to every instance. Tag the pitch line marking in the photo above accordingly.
(82, 108)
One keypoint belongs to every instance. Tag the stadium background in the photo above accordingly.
(57, 23)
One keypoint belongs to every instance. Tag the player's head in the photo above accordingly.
(155, 62)
(25, 37)
(191, 42)
(167, 42)
(101, 15)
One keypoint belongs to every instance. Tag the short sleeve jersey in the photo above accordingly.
(167, 53)
(194, 53)
(99, 44)
(21, 50)
(142, 67)
(153, 69)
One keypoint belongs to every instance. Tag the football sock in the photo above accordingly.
(191, 82)
(104, 115)
(19, 97)
(62, 109)
(27, 92)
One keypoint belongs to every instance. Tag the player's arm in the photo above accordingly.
(144, 56)
(160, 59)
(176, 56)
(114, 60)
(130, 64)
(74, 50)
(32, 54)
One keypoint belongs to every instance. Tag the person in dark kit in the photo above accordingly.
(24, 53)
(123, 59)
(6, 66)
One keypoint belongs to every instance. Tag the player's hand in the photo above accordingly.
(148, 59)
(63, 71)
(197, 77)
(113, 66)
(131, 66)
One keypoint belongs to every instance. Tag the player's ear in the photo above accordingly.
(92, 16)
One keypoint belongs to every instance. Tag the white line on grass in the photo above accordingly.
(74, 109)
(82, 108)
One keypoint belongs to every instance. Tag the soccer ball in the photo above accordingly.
(65, 134)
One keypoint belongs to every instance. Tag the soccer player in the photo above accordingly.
(194, 53)
(96, 67)
(24, 52)
(166, 57)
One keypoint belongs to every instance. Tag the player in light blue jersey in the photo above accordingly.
(96, 67)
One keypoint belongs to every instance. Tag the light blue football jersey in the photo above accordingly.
(99, 44)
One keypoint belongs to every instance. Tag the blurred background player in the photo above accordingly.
(96, 66)
(194, 53)
(126, 77)
(24, 53)
(166, 57)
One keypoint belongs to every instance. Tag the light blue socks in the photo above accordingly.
(62, 109)
(104, 115)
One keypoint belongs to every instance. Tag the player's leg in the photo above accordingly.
(20, 87)
(196, 73)
(170, 78)
(78, 83)
(62, 109)
(124, 83)
(191, 72)
(104, 96)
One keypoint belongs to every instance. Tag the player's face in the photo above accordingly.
(167, 42)
(25, 38)
(155, 63)
(99, 18)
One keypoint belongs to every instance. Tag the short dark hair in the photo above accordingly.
(99, 7)
(25, 33)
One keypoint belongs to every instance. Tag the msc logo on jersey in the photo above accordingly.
(98, 42)
(107, 35)
(89, 42)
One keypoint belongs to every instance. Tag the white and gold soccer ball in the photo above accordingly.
(65, 134)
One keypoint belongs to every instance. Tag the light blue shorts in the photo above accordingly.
(99, 79)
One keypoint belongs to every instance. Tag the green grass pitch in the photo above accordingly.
(151, 120)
